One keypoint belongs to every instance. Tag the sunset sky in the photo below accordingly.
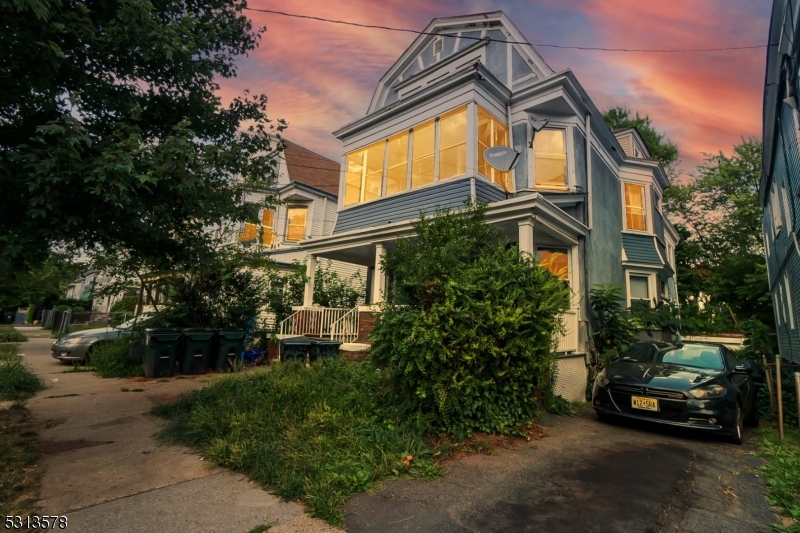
(320, 76)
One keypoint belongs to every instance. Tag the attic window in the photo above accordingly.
(437, 46)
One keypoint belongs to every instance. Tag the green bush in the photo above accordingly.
(30, 314)
(781, 472)
(112, 359)
(17, 381)
(614, 326)
(9, 334)
(469, 334)
(317, 434)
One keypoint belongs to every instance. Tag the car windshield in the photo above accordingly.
(694, 355)
(139, 321)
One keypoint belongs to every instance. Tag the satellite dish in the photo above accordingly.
(502, 158)
(537, 123)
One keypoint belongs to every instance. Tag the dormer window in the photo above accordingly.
(438, 44)
(550, 159)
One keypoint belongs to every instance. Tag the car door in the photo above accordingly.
(741, 380)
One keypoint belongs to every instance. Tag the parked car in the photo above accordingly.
(74, 347)
(695, 385)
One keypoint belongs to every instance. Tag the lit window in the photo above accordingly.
(554, 261)
(249, 233)
(398, 164)
(296, 227)
(640, 288)
(355, 172)
(492, 132)
(550, 159)
(268, 227)
(453, 144)
(373, 178)
(634, 207)
(422, 155)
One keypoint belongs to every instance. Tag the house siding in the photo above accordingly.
(640, 249)
(404, 206)
(604, 247)
(519, 133)
(579, 150)
(487, 193)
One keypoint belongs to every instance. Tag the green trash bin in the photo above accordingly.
(161, 351)
(295, 348)
(324, 348)
(198, 343)
(230, 345)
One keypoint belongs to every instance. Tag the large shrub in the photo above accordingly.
(468, 334)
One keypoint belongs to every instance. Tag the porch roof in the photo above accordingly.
(358, 246)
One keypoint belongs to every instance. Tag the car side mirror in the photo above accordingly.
(744, 368)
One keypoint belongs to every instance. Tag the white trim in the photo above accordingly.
(569, 172)
(652, 289)
(789, 300)
(648, 219)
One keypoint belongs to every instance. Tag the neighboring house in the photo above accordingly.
(87, 284)
(584, 200)
(780, 179)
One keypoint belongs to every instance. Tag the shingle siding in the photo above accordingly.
(640, 249)
(487, 193)
(404, 206)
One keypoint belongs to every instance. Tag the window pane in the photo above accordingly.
(355, 172)
(640, 288)
(249, 233)
(453, 144)
(267, 225)
(297, 224)
(398, 164)
(373, 179)
(422, 163)
(634, 207)
(555, 262)
(268, 218)
(550, 159)
(492, 132)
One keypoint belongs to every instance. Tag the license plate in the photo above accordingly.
(648, 404)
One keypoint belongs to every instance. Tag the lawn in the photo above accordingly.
(781, 473)
(17, 381)
(316, 434)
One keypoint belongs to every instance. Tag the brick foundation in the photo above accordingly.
(366, 325)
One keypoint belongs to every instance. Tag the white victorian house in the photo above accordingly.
(583, 199)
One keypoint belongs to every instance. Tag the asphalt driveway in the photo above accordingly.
(587, 476)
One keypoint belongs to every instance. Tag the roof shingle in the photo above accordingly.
(311, 168)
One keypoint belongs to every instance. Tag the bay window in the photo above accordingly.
(423, 153)
(296, 223)
(268, 227)
(550, 159)
(397, 164)
(639, 288)
(492, 132)
(635, 218)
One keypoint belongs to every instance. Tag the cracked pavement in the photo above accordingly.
(587, 476)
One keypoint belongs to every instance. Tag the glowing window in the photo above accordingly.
(355, 172)
(422, 155)
(453, 144)
(634, 207)
(550, 159)
(296, 227)
(397, 171)
(268, 227)
(554, 261)
(249, 233)
(492, 132)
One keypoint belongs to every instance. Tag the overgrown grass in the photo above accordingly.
(112, 360)
(781, 473)
(316, 434)
(9, 351)
(9, 334)
(17, 381)
(18, 459)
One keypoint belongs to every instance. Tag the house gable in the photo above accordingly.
(481, 37)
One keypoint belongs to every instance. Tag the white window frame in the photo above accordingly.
(789, 300)
(787, 213)
(652, 289)
(775, 211)
(305, 227)
(648, 217)
(568, 171)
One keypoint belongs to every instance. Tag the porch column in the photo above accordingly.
(311, 269)
(526, 236)
(378, 276)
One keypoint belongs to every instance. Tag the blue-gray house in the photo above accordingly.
(780, 179)
(584, 199)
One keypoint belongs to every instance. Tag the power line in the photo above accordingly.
(542, 45)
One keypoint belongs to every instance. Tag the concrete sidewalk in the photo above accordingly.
(105, 472)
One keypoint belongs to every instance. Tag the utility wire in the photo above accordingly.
(543, 45)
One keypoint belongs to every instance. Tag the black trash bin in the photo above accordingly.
(295, 348)
(198, 344)
(324, 348)
(161, 351)
(230, 345)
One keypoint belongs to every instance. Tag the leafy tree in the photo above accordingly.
(38, 284)
(468, 336)
(661, 149)
(112, 134)
(330, 290)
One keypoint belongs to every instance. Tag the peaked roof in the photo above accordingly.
(310, 168)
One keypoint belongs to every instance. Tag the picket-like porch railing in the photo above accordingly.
(313, 321)
(346, 328)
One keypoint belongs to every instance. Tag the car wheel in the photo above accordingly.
(752, 419)
(738, 431)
